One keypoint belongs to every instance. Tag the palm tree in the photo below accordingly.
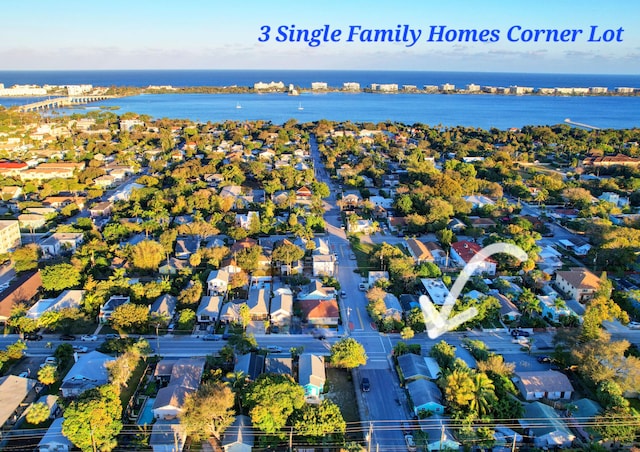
(483, 394)
(238, 381)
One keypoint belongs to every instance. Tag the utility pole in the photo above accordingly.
(291, 440)
(513, 445)
(370, 436)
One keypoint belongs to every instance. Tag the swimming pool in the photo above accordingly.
(146, 415)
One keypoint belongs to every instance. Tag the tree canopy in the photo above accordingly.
(348, 353)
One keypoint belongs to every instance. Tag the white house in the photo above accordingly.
(218, 282)
(67, 299)
(209, 309)
(578, 283)
(281, 308)
(548, 384)
(167, 436)
(59, 242)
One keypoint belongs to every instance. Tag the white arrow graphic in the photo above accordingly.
(438, 323)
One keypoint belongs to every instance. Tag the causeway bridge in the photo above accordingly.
(58, 102)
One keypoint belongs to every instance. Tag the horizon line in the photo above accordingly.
(317, 70)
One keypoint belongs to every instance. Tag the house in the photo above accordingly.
(9, 235)
(230, 311)
(173, 265)
(413, 367)
(320, 312)
(435, 289)
(323, 264)
(547, 428)
(281, 308)
(508, 310)
(209, 309)
(31, 221)
(186, 246)
(239, 436)
(375, 276)
(53, 440)
(482, 223)
(67, 299)
(578, 283)
(425, 395)
(218, 282)
(363, 226)
(311, 374)
(463, 251)
(553, 307)
(303, 194)
(169, 401)
(576, 245)
(440, 256)
(317, 291)
(351, 200)
(164, 306)
(167, 436)
(51, 402)
(101, 209)
(392, 307)
(21, 290)
(479, 201)
(549, 260)
(258, 303)
(112, 303)
(61, 242)
(433, 367)
(278, 365)
(89, 371)
(13, 390)
(419, 251)
(548, 384)
(187, 372)
(250, 364)
(246, 221)
(437, 435)
(456, 225)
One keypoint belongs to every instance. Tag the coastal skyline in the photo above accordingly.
(74, 35)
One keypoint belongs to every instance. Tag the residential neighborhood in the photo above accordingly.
(250, 286)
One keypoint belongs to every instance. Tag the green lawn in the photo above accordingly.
(362, 251)
(127, 392)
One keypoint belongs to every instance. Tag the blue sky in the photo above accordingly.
(213, 34)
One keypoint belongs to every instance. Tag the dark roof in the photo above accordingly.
(412, 366)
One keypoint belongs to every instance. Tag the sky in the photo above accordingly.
(214, 34)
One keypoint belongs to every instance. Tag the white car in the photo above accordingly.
(80, 349)
(274, 349)
(634, 325)
(89, 338)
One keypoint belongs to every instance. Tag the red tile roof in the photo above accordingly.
(466, 250)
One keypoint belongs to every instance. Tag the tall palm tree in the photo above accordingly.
(483, 394)
(238, 381)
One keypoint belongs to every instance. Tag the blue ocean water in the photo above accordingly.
(483, 111)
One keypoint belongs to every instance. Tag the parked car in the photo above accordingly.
(522, 333)
(80, 349)
(67, 337)
(49, 361)
(343, 294)
(89, 338)
(411, 444)
(211, 337)
(634, 325)
(32, 337)
(274, 349)
(544, 359)
(365, 385)
(112, 336)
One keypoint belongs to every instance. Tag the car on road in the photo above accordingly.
(365, 385)
(521, 333)
(343, 294)
(32, 337)
(410, 442)
(80, 349)
(112, 336)
(634, 325)
(544, 359)
(211, 337)
(67, 337)
(274, 349)
(89, 338)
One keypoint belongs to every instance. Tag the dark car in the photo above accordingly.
(67, 337)
(365, 385)
(522, 333)
(544, 359)
(32, 337)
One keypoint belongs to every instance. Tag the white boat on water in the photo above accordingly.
(238, 105)
(300, 107)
